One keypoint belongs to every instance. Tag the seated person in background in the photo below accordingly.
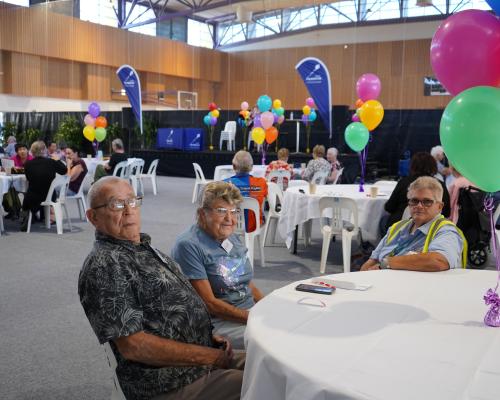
(425, 242)
(281, 164)
(76, 170)
(421, 164)
(248, 185)
(10, 149)
(21, 155)
(117, 156)
(318, 163)
(331, 156)
(443, 172)
(40, 172)
(458, 183)
(137, 299)
(216, 263)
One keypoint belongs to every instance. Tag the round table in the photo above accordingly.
(300, 207)
(412, 335)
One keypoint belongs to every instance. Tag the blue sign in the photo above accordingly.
(170, 138)
(317, 80)
(193, 139)
(132, 85)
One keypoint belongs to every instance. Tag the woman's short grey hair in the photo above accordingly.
(242, 161)
(333, 150)
(94, 196)
(430, 183)
(11, 139)
(436, 150)
(117, 143)
(38, 148)
(219, 191)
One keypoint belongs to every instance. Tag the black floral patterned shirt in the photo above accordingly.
(127, 288)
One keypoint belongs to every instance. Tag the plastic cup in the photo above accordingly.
(312, 188)
(373, 191)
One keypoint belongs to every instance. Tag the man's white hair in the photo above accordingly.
(333, 150)
(95, 193)
(436, 150)
(242, 161)
(427, 182)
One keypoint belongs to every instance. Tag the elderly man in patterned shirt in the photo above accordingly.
(137, 299)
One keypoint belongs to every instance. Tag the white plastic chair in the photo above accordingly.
(320, 177)
(116, 393)
(59, 184)
(152, 175)
(252, 205)
(7, 163)
(297, 182)
(274, 194)
(228, 135)
(250, 140)
(200, 180)
(80, 202)
(338, 226)
(281, 177)
(135, 170)
(121, 169)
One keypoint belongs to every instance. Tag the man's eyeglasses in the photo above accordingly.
(119, 205)
(222, 211)
(425, 202)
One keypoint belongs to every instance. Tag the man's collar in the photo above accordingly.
(145, 239)
(425, 227)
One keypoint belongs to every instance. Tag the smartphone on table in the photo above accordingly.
(303, 287)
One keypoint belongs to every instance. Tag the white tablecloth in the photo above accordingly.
(222, 172)
(298, 208)
(92, 164)
(411, 336)
(18, 181)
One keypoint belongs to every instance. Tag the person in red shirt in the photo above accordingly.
(281, 164)
(21, 156)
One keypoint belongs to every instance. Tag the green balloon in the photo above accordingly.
(356, 136)
(470, 135)
(100, 134)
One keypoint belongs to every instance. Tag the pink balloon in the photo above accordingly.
(465, 51)
(368, 87)
(89, 120)
(310, 102)
(355, 118)
(244, 106)
(267, 119)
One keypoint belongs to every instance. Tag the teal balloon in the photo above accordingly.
(206, 120)
(313, 116)
(280, 111)
(264, 103)
(356, 136)
(470, 135)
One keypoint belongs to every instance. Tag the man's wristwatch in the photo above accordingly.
(384, 263)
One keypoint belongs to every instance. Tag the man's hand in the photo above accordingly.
(225, 345)
(370, 267)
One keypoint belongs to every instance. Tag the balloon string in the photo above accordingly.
(362, 158)
(489, 206)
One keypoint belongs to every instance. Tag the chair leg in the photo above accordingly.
(260, 244)
(264, 234)
(30, 215)
(306, 230)
(153, 183)
(249, 242)
(346, 250)
(46, 211)
(84, 207)
(67, 217)
(324, 251)
(59, 218)
(195, 191)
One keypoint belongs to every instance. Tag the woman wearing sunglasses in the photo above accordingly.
(215, 261)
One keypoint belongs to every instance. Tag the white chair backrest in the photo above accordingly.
(230, 126)
(339, 174)
(7, 163)
(136, 167)
(281, 177)
(61, 182)
(121, 169)
(226, 173)
(153, 167)
(319, 177)
(406, 213)
(251, 204)
(117, 393)
(274, 194)
(339, 206)
(200, 176)
(297, 182)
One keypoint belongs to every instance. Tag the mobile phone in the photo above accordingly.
(302, 191)
(314, 289)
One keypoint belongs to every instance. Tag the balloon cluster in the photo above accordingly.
(95, 125)
(308, 116)
(269, 113)
(210, 120)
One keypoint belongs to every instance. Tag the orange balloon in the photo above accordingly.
(100, 122)
(271, 134)
(359, 103)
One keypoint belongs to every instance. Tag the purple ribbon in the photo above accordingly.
(264, 145)
(362, 159)
(492, 317)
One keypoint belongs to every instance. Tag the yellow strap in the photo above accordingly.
(395, 228)
(438, 224)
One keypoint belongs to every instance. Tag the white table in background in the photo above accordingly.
(92, 164)
(222, 172)
(298, 208)
(412, 336)
(18, 181)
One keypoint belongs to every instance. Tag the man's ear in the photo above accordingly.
(92, 216)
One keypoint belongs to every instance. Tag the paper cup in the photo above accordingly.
(312, 188)
(373, 191)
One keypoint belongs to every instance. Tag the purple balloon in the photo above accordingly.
(465, 51)
(305, 118)
(368, 87)
(94, 110)
(213, 121)
(256, 121)
(276, 118)
(355, 118)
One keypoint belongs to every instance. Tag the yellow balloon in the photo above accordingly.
(371, 114)
(89, 133)
(306, 110)
(215, 113)
(258, 135)
(276, 103)
(247, 114)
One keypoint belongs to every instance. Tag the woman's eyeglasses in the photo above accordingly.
(119, 205)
